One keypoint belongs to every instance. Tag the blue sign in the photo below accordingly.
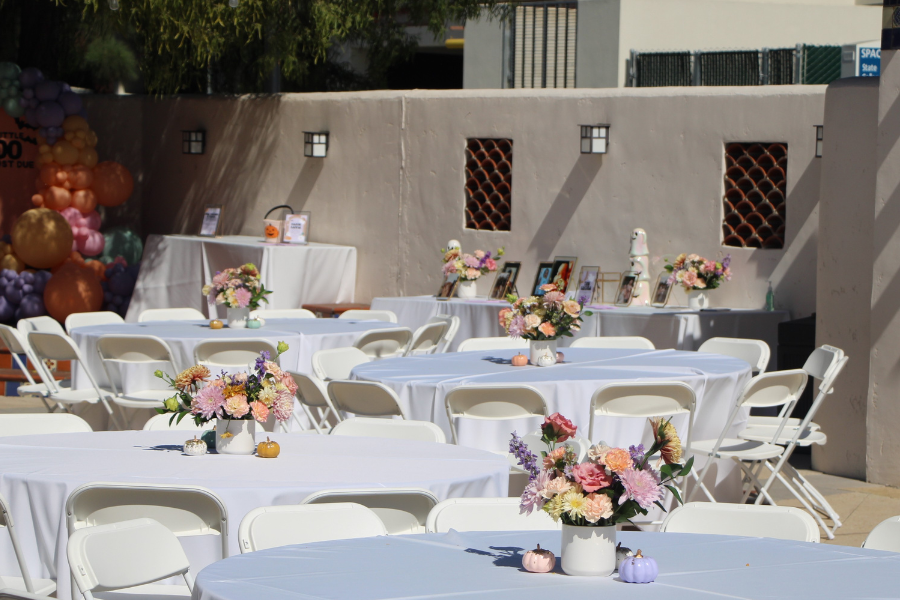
(869, 62)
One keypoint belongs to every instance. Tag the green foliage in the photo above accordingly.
(110, 61)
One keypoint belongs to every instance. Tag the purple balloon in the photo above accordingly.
(50, 114)
(8, 274)
(32, 306)
(7, 310)
(65, 87)
(23, 102)
(121, 284)
(30, 77)
(28, 93)
(27, 277)
(13, 294)
(71, 102)
(47, 90)
(40, 280)
(18, 282)
(27, 289)
(33, 103)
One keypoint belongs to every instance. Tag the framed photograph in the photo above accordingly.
(625, 293)
(296, 228)
(606, 288)
(563, 271)
(544, 275)
(587, 283)
(448, 288)
(662, 291)
(505, 280)
(212, 221)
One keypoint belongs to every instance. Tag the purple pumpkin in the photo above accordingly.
(638, 569)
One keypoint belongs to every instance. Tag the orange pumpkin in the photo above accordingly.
(268, 449)
(519, 360)
(215, 324)
(271, 232)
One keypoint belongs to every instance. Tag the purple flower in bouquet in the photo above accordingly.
(526, 458)
(640, 486)
(637, 454)
(261, 361)
(243, 296)
(533, 497)
(472, 262)
(208, 402)
(517, 326)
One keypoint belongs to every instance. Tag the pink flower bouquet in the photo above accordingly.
(239, 396)
(612, 485)
(468, 267)
(237, 288)
(546, 317)
(694, 272)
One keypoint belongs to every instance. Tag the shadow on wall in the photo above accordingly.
(241, 142)
(305, 182)
(551, 230)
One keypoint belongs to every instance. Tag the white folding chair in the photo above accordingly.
(779, 522)
(493, 403)
(31, 424)
(287, 313)
(59, 346)
(622, 342)
(885, 536)
(314, 401)
(535, 443)
(754, 352)
(452, 322)
(233, 353)
(422, 431)
(127, 554)
(369, 315)
(17, 344)
(161, 423)
(118, 351)
(11, 594)
(486, 514)
(402, 510)
(275, 526)
(103, 317)
(764, 390)
(43, 324)
(337, 362)
(427, 339)
(171, 314)
(492, 343)
(43, 587)
(366, 398)
(384, 343)
(186, 510)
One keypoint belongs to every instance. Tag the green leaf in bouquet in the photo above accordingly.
(666, 470)
(659, 504)
(181, 416)
(675, 493)
(687, 467)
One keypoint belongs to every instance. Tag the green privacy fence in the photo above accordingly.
(770, 66)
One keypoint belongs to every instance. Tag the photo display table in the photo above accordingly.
(175, 268)
(678, 328)
(37, 474)
(488, 565)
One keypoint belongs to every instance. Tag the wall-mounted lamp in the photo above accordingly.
(820, 135)
(193, 142)
(594, 138)
(113, 4)
(315, 143)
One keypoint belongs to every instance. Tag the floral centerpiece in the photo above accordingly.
(542, 320)
(697, 275)
(468, 268)
(612, 485)
(240, 290)
(235, 401)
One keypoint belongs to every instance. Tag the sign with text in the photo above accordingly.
(18, 168)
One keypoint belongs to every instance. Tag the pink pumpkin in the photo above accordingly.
(538, 560)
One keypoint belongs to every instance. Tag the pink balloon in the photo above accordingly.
(93, 244)
(91, 220)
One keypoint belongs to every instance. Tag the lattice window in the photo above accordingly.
(488, 184)
(543, 45)
(754, 203)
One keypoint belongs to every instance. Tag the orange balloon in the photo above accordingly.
(72, 289)
(88, 157)
(98, 268)
(56, 198)
(113, 183)
(65, 153)
(80, 177)
(52, 174)
(84, 200)
(42, 238)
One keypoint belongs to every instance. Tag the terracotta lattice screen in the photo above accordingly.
(488, 184)
(755, 183)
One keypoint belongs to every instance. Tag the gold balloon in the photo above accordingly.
(75, 123)
(11, 261)
(42, 238)
(65, 153)
(88, 157)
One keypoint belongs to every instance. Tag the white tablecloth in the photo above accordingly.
(677, 328)
(488, 566)
(37, 473)
(175, 267)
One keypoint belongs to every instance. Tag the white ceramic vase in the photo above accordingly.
(589, 551)
(237, 317)
(466, 289)
(697, 299)
(542, 353)
(242, 438)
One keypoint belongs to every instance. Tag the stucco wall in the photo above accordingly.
(844, 286)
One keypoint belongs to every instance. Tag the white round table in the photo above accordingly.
(488, 565)
(422, 382)
(37, 473)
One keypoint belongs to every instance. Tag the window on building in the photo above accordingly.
(543, 45)
(488, 184)
(754, 203)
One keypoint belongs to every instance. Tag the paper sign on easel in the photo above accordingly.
(296, 228)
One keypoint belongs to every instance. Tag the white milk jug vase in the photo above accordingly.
(588, 551)
(466, 290)
(235, 436)
(237, 317)
(698, 299)
(542, 353)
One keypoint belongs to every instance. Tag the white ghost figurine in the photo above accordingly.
(640, 261)
(453, 244)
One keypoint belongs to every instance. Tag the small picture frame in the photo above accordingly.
(448, 288)
(211, 225)
(505, 280)
(662, 291)
(625, 293)
(296, 228)
(564, 271)
(586, 285)
(544, 275)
